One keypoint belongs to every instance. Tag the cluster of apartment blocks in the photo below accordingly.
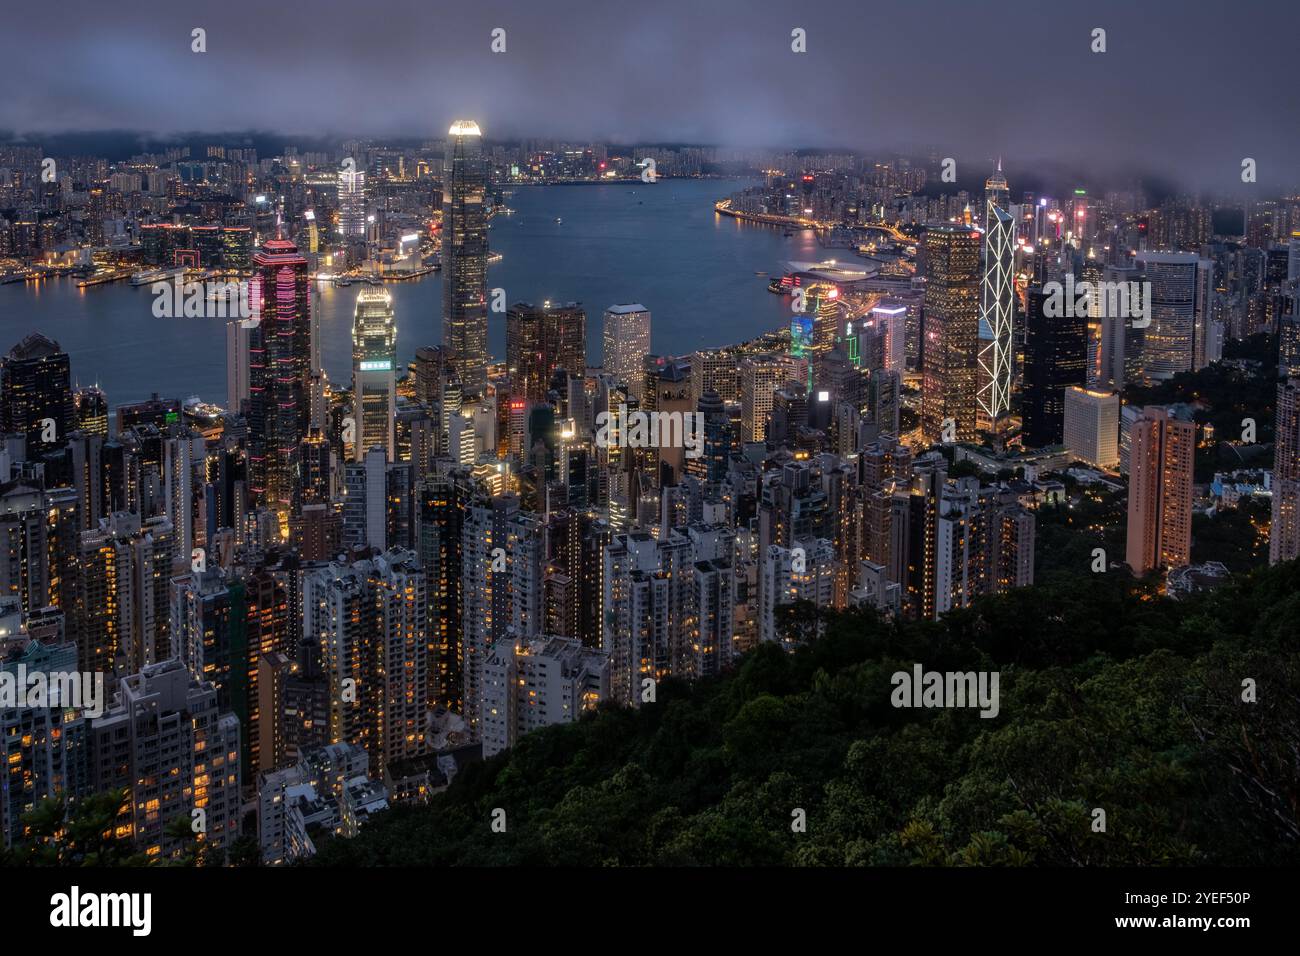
(432, 586)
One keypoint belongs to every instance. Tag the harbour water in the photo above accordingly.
(661, 245)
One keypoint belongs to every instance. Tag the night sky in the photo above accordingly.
(1185, 90)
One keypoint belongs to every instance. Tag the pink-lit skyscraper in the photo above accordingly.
(279, 399)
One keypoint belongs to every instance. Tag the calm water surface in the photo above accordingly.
(661, 245)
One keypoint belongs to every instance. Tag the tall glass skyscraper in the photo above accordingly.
(1056, 357)
(626, 338)
(352, 204)
(36, 387)
(374, 378)
(951, 332)
(997, 301)
(464, 256)
(279, 398)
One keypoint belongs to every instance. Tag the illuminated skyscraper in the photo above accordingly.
(541, 339)
(951, 331)
(997, 301)
(374, 383)
(1162, 450)
(1179, 312)
(372, 620)
(760, 377)
(1092, 426)
(464, 256)
(626, 344)
(279, 406)
(36, 392)
(822, 308)
(352, 204)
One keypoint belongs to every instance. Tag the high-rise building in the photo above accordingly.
(241, 339)
(540, 340)
(464, 256)
(951, 332)
(665, 606)
(1284, 530)
(997, 302)
(43, 751)
(371, 618)
(374, 374)
(983, 544)
(279, 413)
(716, 371)
(884, 401)
(1180, 312)
(36, 392)
(441, 502)
(1056, 357)
(91, 410)
(1092, 426)
(1161, 457)
(532, 684)
(890, 318)
(351, 196)
(805, 571)
(168, 744)
(503, 585)
(121, 616)
(1119, 359)
(760, 377)
(626, 344)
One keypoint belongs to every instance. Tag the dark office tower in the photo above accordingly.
(441, 503)
(315, 460)
(91, 410)
(36, 393)
(719, 441)
(89, 476)
(884, 401)
(1288, 328)
(539, 341)
(1056, 357)
(951, 332)
(564, 573)
(429, 367)
(280, 408)
(464, 256)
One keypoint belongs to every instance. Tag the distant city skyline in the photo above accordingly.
(723, 74)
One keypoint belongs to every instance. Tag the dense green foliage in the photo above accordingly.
(1111, 698)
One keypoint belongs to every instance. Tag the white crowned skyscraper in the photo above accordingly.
(464, 256)
(374, 383)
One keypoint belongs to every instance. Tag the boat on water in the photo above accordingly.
(157, 275)
(789, 233)
(195, 407)
(759, 273)
(784, 285)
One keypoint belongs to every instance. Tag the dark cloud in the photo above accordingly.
(1187, 88)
